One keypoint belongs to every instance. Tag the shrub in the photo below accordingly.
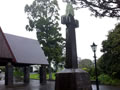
(2, 68)
(115, 82)
(18, 72)
(85, 69)
(92, 78)
(92, 72)
(107, 80)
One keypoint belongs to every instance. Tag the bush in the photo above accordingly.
(92, 72)
(107, 80)
(18, 72)
(85, 69)
(115, 82)
(92, 78)
(2, 68)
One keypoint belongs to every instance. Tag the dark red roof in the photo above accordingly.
(24, 50)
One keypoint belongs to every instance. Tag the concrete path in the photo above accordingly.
(34, 85)
(104, 87)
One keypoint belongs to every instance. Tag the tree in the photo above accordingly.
(109, 8)
(111, 50)
(43, 17)
(101, 66)
(85, 63)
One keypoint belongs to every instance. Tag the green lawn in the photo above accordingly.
(53, 76)
(36, 76)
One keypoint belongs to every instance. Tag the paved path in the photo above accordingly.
(34, 85)
(103, 87)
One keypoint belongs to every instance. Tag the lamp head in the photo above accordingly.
(94, 47)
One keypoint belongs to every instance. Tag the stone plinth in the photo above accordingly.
(72, 79)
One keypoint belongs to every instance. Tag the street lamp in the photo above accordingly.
(94, 47)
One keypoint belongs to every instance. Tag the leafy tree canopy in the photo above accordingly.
(43, 17)
(111, 49)
(110, 8)
(101, 66)
(85, 63)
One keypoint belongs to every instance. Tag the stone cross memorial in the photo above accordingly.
(71, 78)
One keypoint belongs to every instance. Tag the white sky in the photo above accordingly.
(91, 29)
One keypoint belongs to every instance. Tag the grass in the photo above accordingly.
(36, 76)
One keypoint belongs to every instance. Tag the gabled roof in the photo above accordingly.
(23, 50)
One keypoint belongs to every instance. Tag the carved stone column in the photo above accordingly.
(9, 74)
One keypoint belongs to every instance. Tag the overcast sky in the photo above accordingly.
(91, 29)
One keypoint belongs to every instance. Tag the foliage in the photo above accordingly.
(111, 56)
(2, 68)
(101, 65)
(92, 78)
(115, 82)
(109, 8)
(88, 66)
(18, 73)
(59, 66)
(107, 80)
(43, 17)
(85, 69)
(92, 72)
(85, 63)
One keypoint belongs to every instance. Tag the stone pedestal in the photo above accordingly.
(9, 74)
(26, 74)
(72, 79)
(43, 75)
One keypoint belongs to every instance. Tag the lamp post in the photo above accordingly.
(94, 47)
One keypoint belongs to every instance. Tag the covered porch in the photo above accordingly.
(16, 51)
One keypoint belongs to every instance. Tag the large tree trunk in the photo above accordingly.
(50, 71)
(56, 67)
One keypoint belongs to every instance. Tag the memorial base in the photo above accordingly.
(72, 79)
